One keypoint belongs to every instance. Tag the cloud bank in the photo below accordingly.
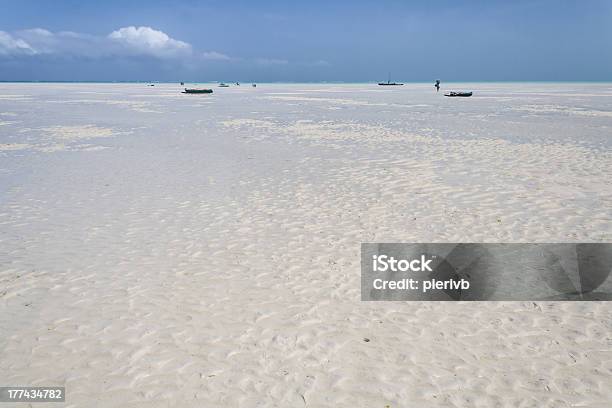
(126, 41)
(40, 53)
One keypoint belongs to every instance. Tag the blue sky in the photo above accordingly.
(349, 41)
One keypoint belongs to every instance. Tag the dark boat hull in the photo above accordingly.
(389, 84)
(198, 91)
(458, 94)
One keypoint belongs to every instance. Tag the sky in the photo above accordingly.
(305, 41)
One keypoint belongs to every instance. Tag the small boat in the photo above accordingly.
(464, 94)
(197, 91)
(254, 85)
(389, 83)
(222, 85)
(182, 83)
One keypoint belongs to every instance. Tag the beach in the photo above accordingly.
(169, 250)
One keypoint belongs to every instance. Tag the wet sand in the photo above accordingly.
(162, 249)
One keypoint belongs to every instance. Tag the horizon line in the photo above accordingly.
(304, 82)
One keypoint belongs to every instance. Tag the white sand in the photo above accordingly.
(169, 250)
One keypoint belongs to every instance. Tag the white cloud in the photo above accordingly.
(63, 43)
(37, 31)
(148, 41)
(214, 55)
(10, 45)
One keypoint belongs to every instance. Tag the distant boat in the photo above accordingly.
(222, 85)
(197, 91)
(182, 83)
(254, 85)
(464, 94)
(389, 83)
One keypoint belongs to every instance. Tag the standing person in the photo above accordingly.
(437, 85)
